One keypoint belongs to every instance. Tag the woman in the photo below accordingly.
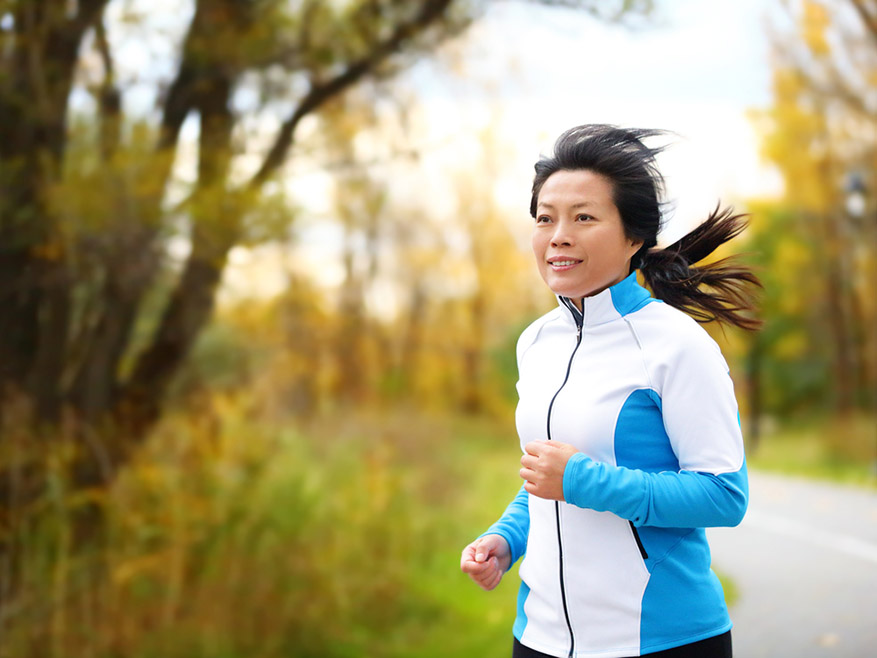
(626, 415)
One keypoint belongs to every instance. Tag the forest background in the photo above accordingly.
(263, 265)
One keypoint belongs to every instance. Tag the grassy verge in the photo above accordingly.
(229, 537)
(822, 448)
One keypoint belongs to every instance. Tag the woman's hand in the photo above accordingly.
(543, 466)
(486, 560)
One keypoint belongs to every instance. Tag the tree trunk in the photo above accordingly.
(133, 260)
(215, 232)
(35, 288)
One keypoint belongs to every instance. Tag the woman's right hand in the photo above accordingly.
(486, 560)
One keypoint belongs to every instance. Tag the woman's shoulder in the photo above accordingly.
(672, 331)
(531, 333)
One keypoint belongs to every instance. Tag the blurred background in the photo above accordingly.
(263, 264)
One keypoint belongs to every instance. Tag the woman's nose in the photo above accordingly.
(561, 236)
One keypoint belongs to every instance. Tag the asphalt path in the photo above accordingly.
(804, 562)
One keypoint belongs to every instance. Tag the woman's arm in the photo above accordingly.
(487, 558)
(514, 525)
(686, 499)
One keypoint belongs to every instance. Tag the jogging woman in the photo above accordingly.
(627, 417)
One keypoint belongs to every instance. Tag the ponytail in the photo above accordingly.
(720, 290)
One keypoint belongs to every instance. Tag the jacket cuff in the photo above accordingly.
(605, 488)
(572, 476)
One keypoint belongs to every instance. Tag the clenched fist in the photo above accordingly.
(543, 465)
(486, 560)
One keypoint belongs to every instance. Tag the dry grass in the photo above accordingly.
(230, 536)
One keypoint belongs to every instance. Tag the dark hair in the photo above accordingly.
(713, 291)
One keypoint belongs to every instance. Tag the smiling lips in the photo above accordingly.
(559, 263)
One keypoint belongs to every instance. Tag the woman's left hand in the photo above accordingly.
(543, 466)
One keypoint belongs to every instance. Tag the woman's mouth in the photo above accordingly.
(560, 265)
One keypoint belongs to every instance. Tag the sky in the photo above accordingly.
(529, 72)
(697, 68)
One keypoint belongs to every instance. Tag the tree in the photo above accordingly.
(86, 207)
(821, 132)
(40, 258)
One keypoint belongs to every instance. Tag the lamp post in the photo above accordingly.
(865, 235)
(856, 199)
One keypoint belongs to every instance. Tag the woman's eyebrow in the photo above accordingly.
(580, 204)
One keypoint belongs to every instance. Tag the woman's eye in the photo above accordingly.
(584, 218)
(543, 219)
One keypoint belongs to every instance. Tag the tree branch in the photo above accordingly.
(430, 11)
(109, 97)
(869, 19)
(599, 10)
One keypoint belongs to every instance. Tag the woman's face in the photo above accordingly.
(578, 237)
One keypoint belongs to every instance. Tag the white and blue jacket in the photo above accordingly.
(622, 567)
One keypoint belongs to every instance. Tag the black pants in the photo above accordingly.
(712, 647)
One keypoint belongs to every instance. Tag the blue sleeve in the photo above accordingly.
(686, 499)
(514, 525)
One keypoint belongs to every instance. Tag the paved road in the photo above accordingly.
(805, 564)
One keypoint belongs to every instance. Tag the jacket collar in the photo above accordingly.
(615, 302)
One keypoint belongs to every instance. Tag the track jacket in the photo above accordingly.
(622, 567)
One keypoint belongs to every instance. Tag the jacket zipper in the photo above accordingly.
(580, 321)
(639, 542)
